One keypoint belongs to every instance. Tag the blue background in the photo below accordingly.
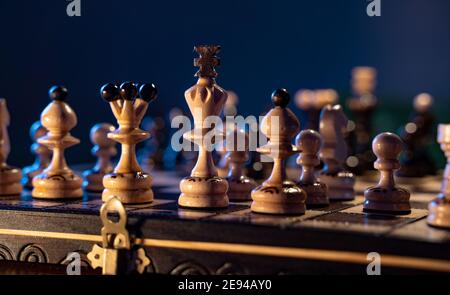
(266, 44)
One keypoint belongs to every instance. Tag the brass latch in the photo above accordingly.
(117, 255)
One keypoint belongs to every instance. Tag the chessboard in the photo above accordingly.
(37, 235)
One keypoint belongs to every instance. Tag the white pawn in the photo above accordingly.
(104, 148)
(239, 185)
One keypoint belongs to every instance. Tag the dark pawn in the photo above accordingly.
(385, 197)
(416, 134)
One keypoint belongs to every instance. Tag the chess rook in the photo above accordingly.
(58, 181)
(10, 177)
(203, 188)
(309, 142)
(240, 185)
(277, 195)
(41, 152)
(386, 197)
(340, 183)
(439, 208)
(104, 148)
(128, 182)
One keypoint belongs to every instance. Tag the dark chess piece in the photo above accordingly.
(363, 105)
(439, 208)
(385, 197)
(152, 154)
(239, 185)
(10, 177)
(203, 188)
(104, 148)
(277, 195)
(333, 127)
(311, 102)
(309, 143)
(416, 134)
(128, 181)
(41, 152)
(58, 181)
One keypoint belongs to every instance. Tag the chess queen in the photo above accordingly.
(203, 188)
(128, 182)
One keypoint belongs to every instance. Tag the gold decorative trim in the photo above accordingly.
(263, 250)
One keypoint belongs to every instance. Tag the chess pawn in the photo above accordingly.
(42, 153)
(128, 182)
(385, 197)
(277, 195)
(104, 148)
(229, 110)
(239, 185)
(309, 142)
(203, 188)
(58, 181)
(340, 183)
(439, 208)
(415, 159)
(10, 177)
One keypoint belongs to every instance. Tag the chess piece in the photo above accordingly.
(42, 153)
(104, 148)
(309, 142)
(229, 110)
(415, 159)
(340, 183)
(152, 154)
(277, 195)
(439, 208)
(363, 105)
(385, 197)
(239, 185)
(10, 177)
(311, 102)
(128, 182)
(58, 181)
(203, 188)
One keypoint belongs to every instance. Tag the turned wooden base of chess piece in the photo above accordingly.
(203, 192)
(317, 194)
(93, 181)
(287, 199)
(439, 212)
(67, 186)
(387, 200)
(130, 188)
(239, 189)
(340, 186)
(10, 181)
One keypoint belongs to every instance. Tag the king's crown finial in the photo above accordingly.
(207, 60)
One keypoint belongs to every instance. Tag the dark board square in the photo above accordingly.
(366, 219)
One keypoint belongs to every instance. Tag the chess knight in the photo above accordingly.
(128, 182)
(203, 188)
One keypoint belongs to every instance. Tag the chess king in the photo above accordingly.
(128, 182)
(203, 188)
(58, 181)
